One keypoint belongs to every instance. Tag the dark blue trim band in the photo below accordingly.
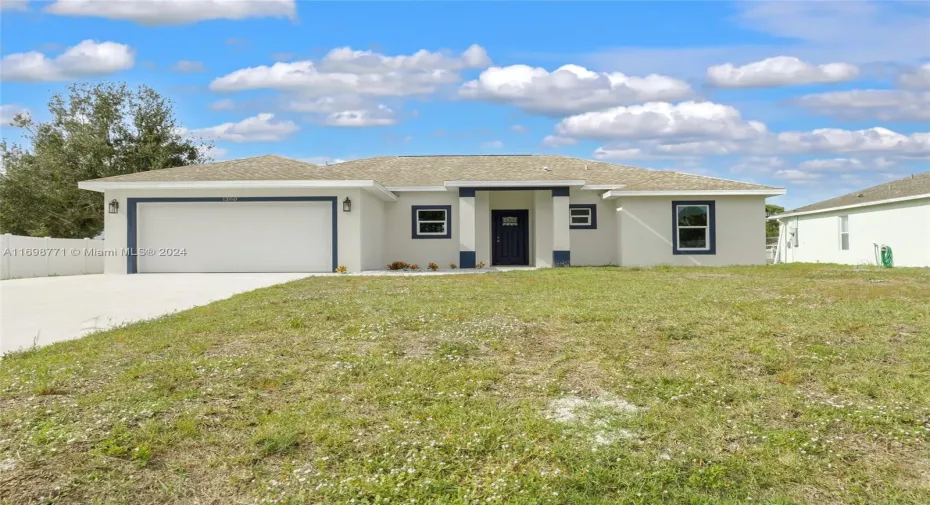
(132, 265)
(467, 259)
(561, 258)
(592, 207)
(466, 192)
(413, 220)
(559, 191)
(513, 188)
(711, 223)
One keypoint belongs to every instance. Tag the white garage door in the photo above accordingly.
(234, 237)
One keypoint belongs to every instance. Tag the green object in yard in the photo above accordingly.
(887, 256)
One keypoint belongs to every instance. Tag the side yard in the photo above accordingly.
(783, 384)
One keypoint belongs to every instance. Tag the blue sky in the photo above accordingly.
(819, 97)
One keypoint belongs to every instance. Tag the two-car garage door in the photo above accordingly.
(234, 236)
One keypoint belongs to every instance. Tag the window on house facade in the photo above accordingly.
(431, 221)
(844, 233)
(693, 230)
(582, 216)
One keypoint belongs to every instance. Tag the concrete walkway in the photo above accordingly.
(51, 309)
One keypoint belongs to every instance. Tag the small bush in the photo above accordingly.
(480, 265)
(433, 266)
(342, 270)
(398, 265)
(453, 266)
(414, 266)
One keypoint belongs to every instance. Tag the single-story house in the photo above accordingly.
(852, 228)
(271, 213)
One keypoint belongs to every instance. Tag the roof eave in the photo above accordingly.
(845, 207)
(695, 192)
(368, 185)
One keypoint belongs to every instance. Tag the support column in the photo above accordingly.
(561, 247)
(467, 228)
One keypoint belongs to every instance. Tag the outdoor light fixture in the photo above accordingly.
(347, 205)
(114, 206)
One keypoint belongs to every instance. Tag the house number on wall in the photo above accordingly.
(230, 198)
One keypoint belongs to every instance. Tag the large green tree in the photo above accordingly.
(95, 130)
(771, 227)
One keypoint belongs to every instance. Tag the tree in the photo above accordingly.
(97, 130)
(771, 227)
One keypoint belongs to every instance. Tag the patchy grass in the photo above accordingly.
(780, 385)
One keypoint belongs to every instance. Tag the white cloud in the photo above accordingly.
(880, 104)
(344, 71)
(871, 140)
(325, 105)
(661, 119)
(223, 104)
(188, 67)
(14, 5)
(796, 176)
(832, 165)
(917, 78)
(757, 165)
(492, 144)
(88, 58)
(379, 116)
(174, 12)
(778, 71)
(217, 153)
(606, 153)
(556, 141)
(518, 128)
(260, 128)
(569, 89)
(7, 112)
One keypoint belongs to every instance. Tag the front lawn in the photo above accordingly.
(780, 385)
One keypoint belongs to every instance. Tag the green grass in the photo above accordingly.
(778, 385)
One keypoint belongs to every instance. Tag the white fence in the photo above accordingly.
(43, 256)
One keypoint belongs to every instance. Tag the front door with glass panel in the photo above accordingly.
(510, 237)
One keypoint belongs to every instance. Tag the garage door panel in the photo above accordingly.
(236, 236)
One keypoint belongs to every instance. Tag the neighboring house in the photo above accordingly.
(852, 228)
(271, 213)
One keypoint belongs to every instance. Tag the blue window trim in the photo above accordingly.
(413, 220)
(132, 239)
(592, 207)
(711, 222)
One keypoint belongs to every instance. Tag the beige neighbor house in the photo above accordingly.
(274, 214)
(853, 228)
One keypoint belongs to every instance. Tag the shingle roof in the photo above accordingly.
(914, 185)
(396, 171)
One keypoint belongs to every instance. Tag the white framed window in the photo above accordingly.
(693, 227)
(582, 216)
(844, 233)
(431, 221)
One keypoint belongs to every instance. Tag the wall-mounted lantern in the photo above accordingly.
(347, 205)
(114, 206)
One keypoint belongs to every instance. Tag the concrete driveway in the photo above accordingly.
(51, 309)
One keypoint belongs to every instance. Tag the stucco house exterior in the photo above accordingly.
(270, 213)
(851, 229)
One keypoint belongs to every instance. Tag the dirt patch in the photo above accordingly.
(595, 417)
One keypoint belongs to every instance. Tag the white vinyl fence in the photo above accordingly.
(43, 256)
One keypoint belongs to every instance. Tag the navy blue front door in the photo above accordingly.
(510, 237)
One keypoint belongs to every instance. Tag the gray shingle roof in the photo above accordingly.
(394, 171)
(914, 185)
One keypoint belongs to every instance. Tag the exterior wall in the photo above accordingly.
(905, 226)
(22, 257)
(399, 245)
(348, 223)
(543, 229)
(645, 231)
(595, 247)
(371, 215)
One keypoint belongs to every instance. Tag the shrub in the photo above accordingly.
(342, 270)
(398, 265)
(480, 265)
(414, 266)
(453, 266)
(433, 266)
